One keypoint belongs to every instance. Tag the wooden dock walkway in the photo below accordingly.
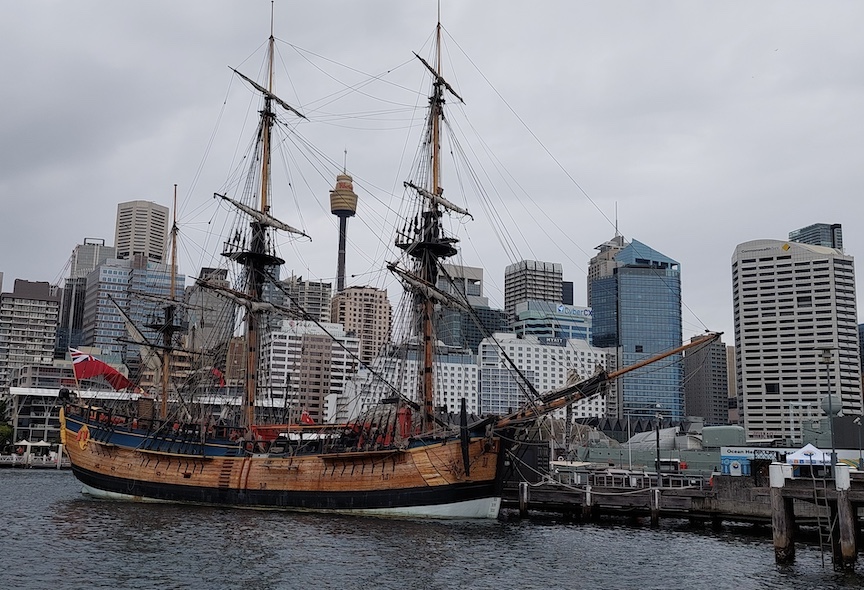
(782, 501)
(594, 494)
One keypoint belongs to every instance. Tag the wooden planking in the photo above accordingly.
(419, 467)
(423, 463)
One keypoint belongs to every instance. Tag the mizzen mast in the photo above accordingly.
(169, 326)
(169, 313)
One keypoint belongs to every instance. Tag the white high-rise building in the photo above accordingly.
(28, 327)
(547, 363)
(398, 372)
(311, 299)
(791, 301)
(142, 228)
(307, 363)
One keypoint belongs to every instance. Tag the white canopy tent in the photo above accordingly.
(808, 455)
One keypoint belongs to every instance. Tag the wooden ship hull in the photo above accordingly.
(426, 479)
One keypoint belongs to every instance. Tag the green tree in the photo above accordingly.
(5, 435)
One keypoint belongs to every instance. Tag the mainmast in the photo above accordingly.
(257, 253)
(257, 258)
(428, 246)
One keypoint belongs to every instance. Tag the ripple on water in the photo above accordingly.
(57, 538)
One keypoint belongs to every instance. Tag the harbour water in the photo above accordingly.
(54, 537)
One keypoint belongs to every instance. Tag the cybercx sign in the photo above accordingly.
(574, 311)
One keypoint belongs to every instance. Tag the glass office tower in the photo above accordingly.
(636, 304)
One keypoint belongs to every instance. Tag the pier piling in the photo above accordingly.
(587, 509)
(782, 517)
(846, 520)
(655, 507)
(523, 498)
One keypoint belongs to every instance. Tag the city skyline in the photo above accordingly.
(702, 129)
(8, 280)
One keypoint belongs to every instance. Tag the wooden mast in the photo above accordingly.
(168, 326)
(426, 242)
(571, 393)
(258, 249)
(258, 256)
(429, 272)
(267, 126)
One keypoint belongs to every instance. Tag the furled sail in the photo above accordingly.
(262, 218)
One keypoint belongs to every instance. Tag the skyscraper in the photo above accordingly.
(732, 384)
(311, 299)
(460, 328)
(85, 258)
(603, 263)
(819, 234)
(102, 323)
(365, 312)
(210, 316)
(118, 283)
(531, 280)
(791, 300)
(706, 389)
(149, 294)
(635, 295)
(28, 327)
(142, 228)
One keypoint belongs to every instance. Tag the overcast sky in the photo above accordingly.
(706, 124)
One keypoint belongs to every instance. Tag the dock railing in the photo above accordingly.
(615, 478)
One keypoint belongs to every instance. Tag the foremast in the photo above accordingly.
(424, 240)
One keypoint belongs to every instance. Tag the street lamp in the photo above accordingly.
(826, 359)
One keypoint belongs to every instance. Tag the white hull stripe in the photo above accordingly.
(480, 508)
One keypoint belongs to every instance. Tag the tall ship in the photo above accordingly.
(401, 457)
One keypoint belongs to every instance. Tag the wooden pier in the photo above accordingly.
(780, 500)
(593, 495)
(838, 496)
